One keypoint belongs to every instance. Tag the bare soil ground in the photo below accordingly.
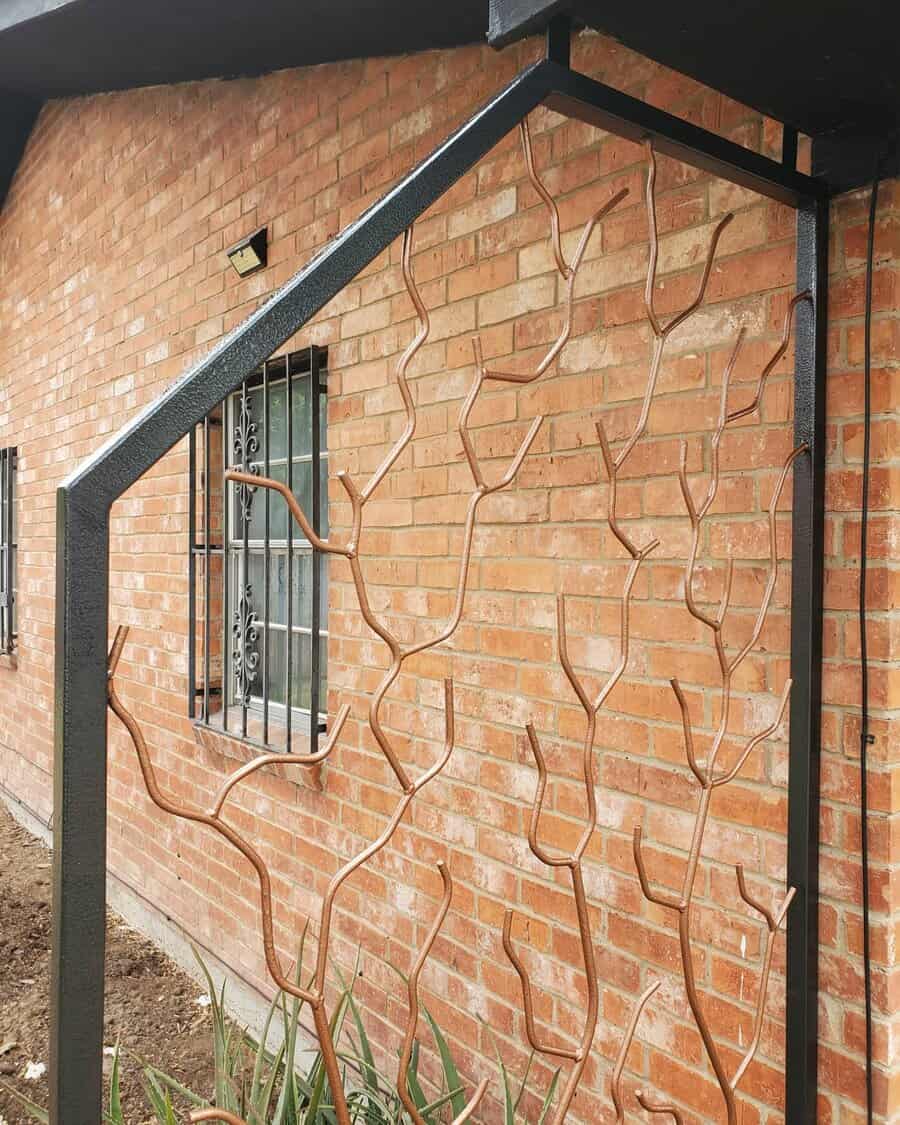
(151, 1005)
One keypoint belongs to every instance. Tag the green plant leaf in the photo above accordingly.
(166, 1081)
(159, 1098)
(451, 1074)
(412, 1079)
(31, 1108)
(523, 1084)
(365, 1048)
(115, 1100)
(548, 1100)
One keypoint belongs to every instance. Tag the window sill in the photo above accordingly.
(231, 745)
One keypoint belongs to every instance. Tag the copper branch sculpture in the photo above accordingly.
(613, 463)
(350, 548)
(705, 773)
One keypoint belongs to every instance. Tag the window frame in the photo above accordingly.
(247, 629)
(9, 551)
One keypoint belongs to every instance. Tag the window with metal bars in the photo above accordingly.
(8, 550)
(258, 590)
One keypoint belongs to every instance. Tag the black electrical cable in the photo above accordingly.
(865, 738)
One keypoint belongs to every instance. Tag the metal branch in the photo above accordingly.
(573, 861)
(628, 1039)
(706, 774)
(186, 812)
(527, 1002)
(773, 924)
(280, 760)
(568, 271)
(660, 898)
(800, 298)
(661, 334)
(662, 331)
(659, 1107)
(214, 1114)
(412, 1018)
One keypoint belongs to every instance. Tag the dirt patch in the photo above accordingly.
(151, 1005)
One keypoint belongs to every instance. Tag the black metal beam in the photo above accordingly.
(85, 499)
(576, 95)
(806, 665)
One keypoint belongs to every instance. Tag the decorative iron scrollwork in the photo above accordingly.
(246, 443)
(244, 655)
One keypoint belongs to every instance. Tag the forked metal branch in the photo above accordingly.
(705, 773)
(613, 463)
(399, 653)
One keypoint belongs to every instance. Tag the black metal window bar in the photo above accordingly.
(258, 593)
(8, 549)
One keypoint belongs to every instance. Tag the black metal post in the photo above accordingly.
(79, 801)
(267, 556)
(207, 564)
(559, 39)
(315, 397)
(806, 666)
(192, 573)
(289, 616)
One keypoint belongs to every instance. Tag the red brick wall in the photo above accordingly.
(114, 281)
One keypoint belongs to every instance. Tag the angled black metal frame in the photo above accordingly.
(86, 497)
(8, 465)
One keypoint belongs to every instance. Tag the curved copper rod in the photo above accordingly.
(660, 898)
(628, 1039)
(549, 201)
(185, 812)
(214, 1114)
(237, 476)
(687, 729)
(773, 924)
(412, 1018)
(347, 869)
(418, 340)
(574, 861)
(661, 331)
(412, 991)
(570, 278)
(527, 1001)
(280, 759)
(741, 759)
(659, 1107)
(753, 405)
(661, 334)
(538, 804)
(706, 775)
(567, 270)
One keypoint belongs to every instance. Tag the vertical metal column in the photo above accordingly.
(806, 667)
(267, 557)
(289, 616)
(79, 802)
(192, 574)
(315, 398)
